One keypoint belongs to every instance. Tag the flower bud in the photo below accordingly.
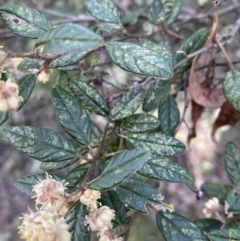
(9, 98)
(210, 207)
(44, 226)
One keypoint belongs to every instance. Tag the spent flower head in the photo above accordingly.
(50, 194)
(44, 226)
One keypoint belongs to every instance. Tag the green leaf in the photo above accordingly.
(104, 10)
(217, 190)
(109, 28)
(232, 162)
(71, 115)
(164, 169)
(231, 88)
(49, 166)
(3, 117)
(108, 199)
(158, 48)
(140, 60)
(156, 95)
(26, 85)
(75, 219)
(175, 227)
(135, 194)
(120, 167)
(26, 183)
(208, 224)
(68, 37)
(78, 174)
(233, 200)
(23, 21)
(169, 116)
(140, 123)
(43, 144)
(157, 143)
(225, 235)
(132, 17)
(30, 64)
(164, 11)
(89, 97)
(69, 59)
(195, 42)
(128, 104)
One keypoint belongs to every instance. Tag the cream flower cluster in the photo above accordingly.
(99, 219)
(44, 226)
(9, 98)
(48, 223)
(210, 207)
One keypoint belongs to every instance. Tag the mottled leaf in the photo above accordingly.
(24, 21)
(191, 45)
(164, 11)
(89, 97)
(208, 224)
(71, 115)
(69, 59)
(169, 116)
(30, 64)
(128, 104)
(68, 37)
(232, 162)
(233, 200)
(109, 28)
(156, 95)
(75, 218)
(26, 183)
(217, 190)
(43, 144)
(140, 123)
(3, 117)
(120, 167)
(158, 48)
(157, 143)
(104, 10)
(49, 166)
(78, 174)
(26, 85)
(225, 235)
(175, 227)
(231, 88)
(140, 60)
(164, 169)
(135, 194)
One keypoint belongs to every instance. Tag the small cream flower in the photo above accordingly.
(210, 207)
(44, 226)
(51, 195)
(9, 98)
(44, 76)
(100, 219)
(89, 198)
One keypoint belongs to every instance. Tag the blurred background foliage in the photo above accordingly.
(204, 159)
